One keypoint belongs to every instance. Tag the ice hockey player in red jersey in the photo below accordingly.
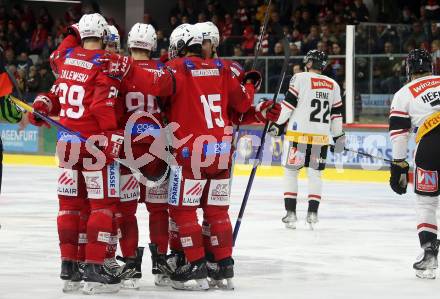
(85, 100)
(201, 176)
(197, 107)
(142, 115)
(264, 111)
(416, 107)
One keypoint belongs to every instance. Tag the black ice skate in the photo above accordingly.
(131, 272)
(71, 275)
(160, 267)
(290, 219)
(220, 274)
(312, 219)
(184, 276)
(427, 264)
(97, 280)
(112, 266)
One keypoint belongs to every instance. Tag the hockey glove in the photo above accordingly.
(253, 77)
(42, 105)
(74, 30)
(276, 130)
(113, 147)
(268, 110)
(339, 144)
(115, 65)
(399, 176)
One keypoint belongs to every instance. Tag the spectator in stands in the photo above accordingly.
(435, 31)
(21, 80)
(33, 81)
(326, 35)
(24, 62)
(432, 9)
(238, 51)
(275, 27)
(249, 41)
(242, 13)
(49, 47)
(392, 84)
(45, 19)
(10, 58)
(305, 5)
(359, 11)
(162, 43)
(297, 68)
(306, 22)
(387, 63)
(311, 41)
(39, 39)
(417, 36)
(407, 16)
(46, 77)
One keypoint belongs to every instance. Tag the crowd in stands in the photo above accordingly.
(28, 36)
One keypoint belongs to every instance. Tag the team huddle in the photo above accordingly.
(160, 133)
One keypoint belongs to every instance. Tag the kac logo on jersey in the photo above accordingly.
(174, 186)
(68, 182)
(426, 180)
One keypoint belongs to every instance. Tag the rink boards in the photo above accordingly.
(39, 145)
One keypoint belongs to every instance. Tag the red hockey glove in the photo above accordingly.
(115, 141)
(115, 65)
(253, 77)
(267, 110)
(42, 105)
(74, 30)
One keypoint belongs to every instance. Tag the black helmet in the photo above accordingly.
(319, 59)
(418, 61)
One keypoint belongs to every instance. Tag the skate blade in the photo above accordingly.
(290, 225)
(131, 283)
(71, 286)
(225, 284)
(161, 280)
(426, 274)
(91, 288)
(199, 285)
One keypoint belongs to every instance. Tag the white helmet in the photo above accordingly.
(113, 37)
(92, 25)
(210, 32)
(142, 36)
(183, 36)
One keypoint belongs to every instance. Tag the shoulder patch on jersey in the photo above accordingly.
(95, 59)
(189, 64)
(320, 83)
(68, 52)
(419, 87)
(218, 63)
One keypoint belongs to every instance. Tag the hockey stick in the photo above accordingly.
(254, 62)
(364, 154)
(53, 122)
(261, 146)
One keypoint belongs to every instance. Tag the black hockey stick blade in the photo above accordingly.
(257, 161)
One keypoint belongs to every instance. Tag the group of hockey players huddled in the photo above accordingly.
(160, 132)
(127, 108)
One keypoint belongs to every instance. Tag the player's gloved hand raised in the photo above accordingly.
(254, 77)
(115, 65)
(267, 110)
(74, 30)
(42, 106)
(339, 144)
(399, 176)
(113, 147)
(276, 130)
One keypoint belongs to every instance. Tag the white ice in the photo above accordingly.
(364, 246)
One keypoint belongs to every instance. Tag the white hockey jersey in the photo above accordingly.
(312, 106)
(414, 108)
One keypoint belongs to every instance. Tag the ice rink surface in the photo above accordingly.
(364, 247)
